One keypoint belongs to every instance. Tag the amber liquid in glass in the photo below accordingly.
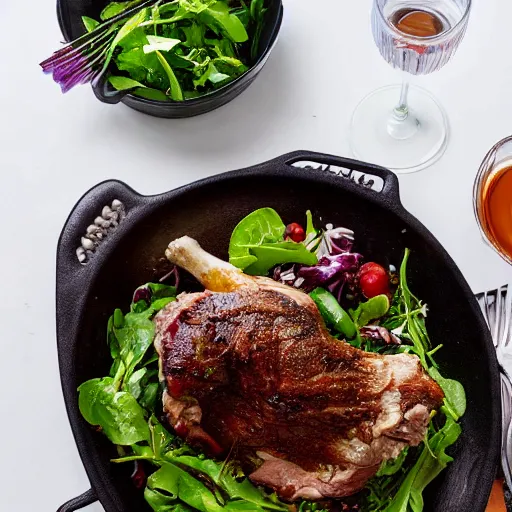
(418, 23)
(496, 201)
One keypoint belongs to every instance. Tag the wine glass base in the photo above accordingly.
(370, 137)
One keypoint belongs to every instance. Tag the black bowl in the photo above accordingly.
(208, 211)
(70, 12)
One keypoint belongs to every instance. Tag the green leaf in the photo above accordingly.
(270, 255)
(236, 490)
(372, 309)
(133, 386)
(454, 394)
(392, 466)
(134, 338)
(211, 74)
(175, 91)
(89, 23)
(115, 8)
(123, 83)
(257, 244)
(159, 43)
(177, 483)
(151, 94)
(431, 462)
(117, 413)
(218, 15)
(160, 502)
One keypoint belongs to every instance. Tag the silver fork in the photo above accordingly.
(496, 306)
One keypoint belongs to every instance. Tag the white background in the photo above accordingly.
(54, 147)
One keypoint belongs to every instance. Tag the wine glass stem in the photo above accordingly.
(401, 111)
(402, 124)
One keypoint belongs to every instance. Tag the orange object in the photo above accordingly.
(497, 500)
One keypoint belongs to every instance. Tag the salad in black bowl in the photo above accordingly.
(185, 56)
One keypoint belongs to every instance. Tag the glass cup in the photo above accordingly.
(413, 134)
(497, 160)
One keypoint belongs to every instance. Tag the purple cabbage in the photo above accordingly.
(336, 269)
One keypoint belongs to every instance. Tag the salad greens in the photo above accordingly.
(171, 50)
(258, 244)
(124, 404)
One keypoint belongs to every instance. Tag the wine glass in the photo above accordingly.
(418, 37)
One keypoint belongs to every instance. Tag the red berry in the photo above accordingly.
(295, 232)
(373, 280)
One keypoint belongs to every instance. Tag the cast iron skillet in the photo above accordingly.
(208, 211)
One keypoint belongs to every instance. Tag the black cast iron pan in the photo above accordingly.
(359, 196)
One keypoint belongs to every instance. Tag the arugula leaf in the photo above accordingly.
(431, 462)
(117, 413)
(257, 244)
(393, 466)
(89, 23)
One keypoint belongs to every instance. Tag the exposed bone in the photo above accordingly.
(213, 273)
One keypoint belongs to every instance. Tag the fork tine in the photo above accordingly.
(508, 314)
(499, 315)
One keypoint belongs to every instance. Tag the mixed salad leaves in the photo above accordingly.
(126, 405)
(168, 50)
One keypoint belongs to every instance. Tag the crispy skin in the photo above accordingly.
(257, 370)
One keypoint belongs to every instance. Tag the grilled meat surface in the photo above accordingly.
(250, 367)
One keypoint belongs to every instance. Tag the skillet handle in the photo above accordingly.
(390, 187)
(87, 498)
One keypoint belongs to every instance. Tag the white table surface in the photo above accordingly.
(54, 147)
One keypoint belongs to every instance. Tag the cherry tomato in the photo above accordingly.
(295, 232)
(373, 280)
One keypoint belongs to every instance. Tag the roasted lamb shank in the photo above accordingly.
(250, 367)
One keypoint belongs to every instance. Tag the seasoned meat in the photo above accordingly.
(250, 367)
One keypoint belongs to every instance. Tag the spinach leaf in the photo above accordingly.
(236, 490)
(211, 74)
(258, 16)
(123, 83)
(134, 336)
(161, 502)
(159, 43)
(178, 484)
(151, 94)
(261, 226)
(89, 23)
(257, 244)
(117, 413)
(454, 394)
(115, 8)
(270, 255)
(175, 91)
(218, 15)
